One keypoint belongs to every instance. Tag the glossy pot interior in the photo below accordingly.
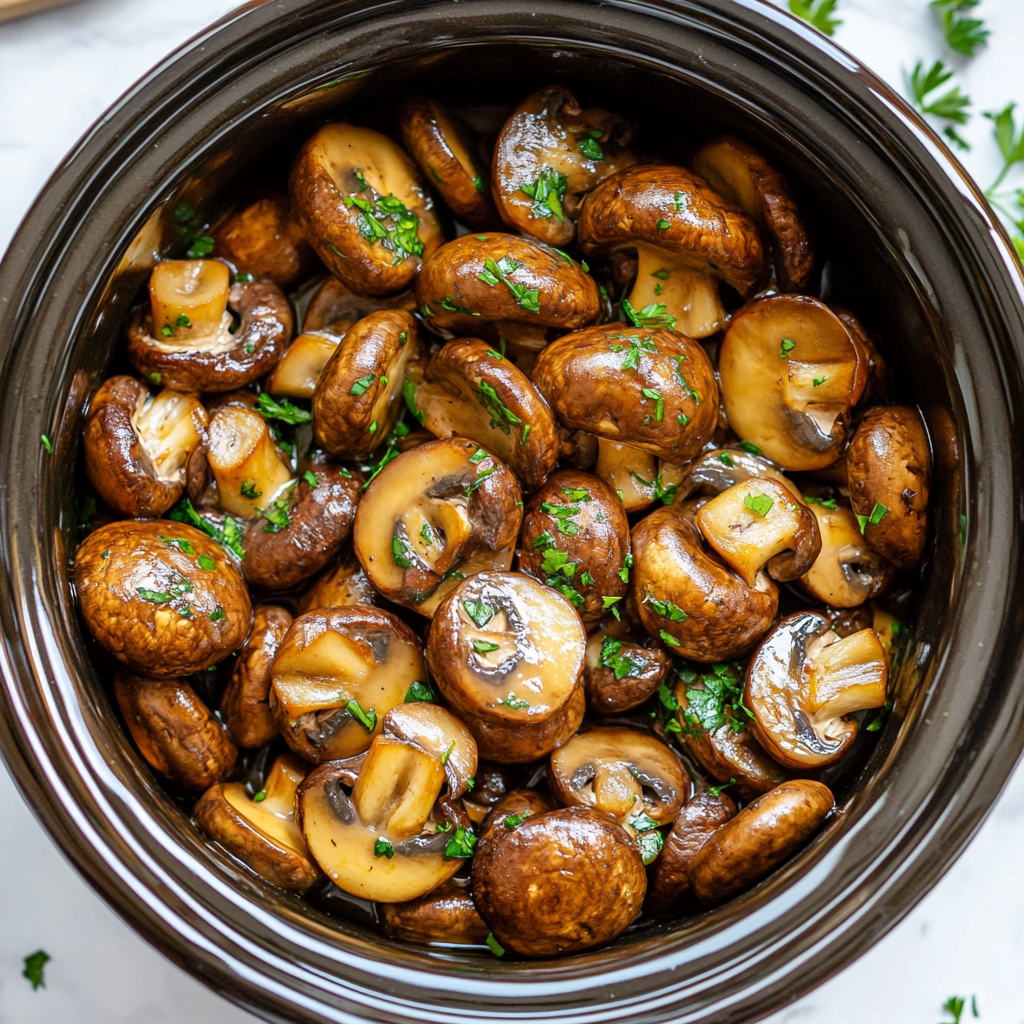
(911, 248)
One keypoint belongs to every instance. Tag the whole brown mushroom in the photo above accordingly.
(447, 914)
(619, 674)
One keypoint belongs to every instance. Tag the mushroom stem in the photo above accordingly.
(167, 427)
(630, 472)
(189, 298)
(300, 367)
(397, 787)
(245, 462)
(687, 294)
(846, 676)
(615, 789)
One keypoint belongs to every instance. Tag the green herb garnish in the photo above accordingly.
(460, 845)
(367, 719)
(760, 504)
(382, 848)
(283, 410)
(421, 692)
(33, 970)
(818, 13)
(654, 314)
(547, 193)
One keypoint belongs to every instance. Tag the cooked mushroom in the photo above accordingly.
(261, 831)
(790, 372)
(337, 673)
(363, 208)
(441, 145)
(642, 386)
(550, 153)
(630, 472)
(448, 914)
(358, 395)
(378, 824)
(305, 535)
(687, 239)
(668, 883)
(878, 390)
(763, 835)
(492, 783)
(174, 730)
(619, 674)
(297, 373)
(804, 682)
(507, 650)
(161, 597)
(139, 448)
(575, 539)
(436, 514)
(187, 339)
(626, 773)
(514, 807)
(741, 174)
(888, 466)
(335, 307)
(245, 704)
(470, 390)
(687, 598)
(343, 583)
(760, 526)
(262, 239)
(847, 572)
(717, 469)
(558, 883)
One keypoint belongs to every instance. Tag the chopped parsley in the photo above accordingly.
(46, 444)
(590, 149)
(663, 225)
(623, 665)
(668, 638)
(513, 821)
(654, 314)
(878, 513)
(479, 611)
(230, 536)
(478, 456)
(421, 692)
(650, 844)
(498, 273)
(205, 562)
(502, 416)
(750, 447)
(829, 503)
(362, 385)
(715, 698)
(367, 719)
(637, 345)
(547, 193)
(717, 790)
(248, 489)
(662, 274)
(217, 614)
(444, 757)
(479, 479)
(627, 564)
(514, 702)
(277, 513)
(401, 552)
(153, 596)
(382, 848)
(260, 797)
(726, 459)
(33, 971)
(449, 305)
(460, 845)
(283, 410)
(819, 380)
(786, 346)
(667, 609)
(310, 477)
(659, 409)
(484, 646)
(167, 331)
(183, 321)
(387, 223)
(760, 504)
(494, 945)
(875, 725)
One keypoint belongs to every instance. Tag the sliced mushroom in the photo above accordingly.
(245, 705)
(174, 730)
(337, 673)
(441, 145)
(261, 831)
(741, 174)
(139, 448)
(619, 674)
(642, 386)
(687, 598)
(549, 155)
(790, 372)
(344, 583)
(164, 599)
(558, 883)
(763, 835)
(717, 469)
(625, 773)
(575, 539)
(436, 514)
(358, 395)
(447, 915)
(630, 472)
(363, 208)
(187, 339)
(687, 239)
(804, 682)
(297, 373)
(847, 572)
(888, 467)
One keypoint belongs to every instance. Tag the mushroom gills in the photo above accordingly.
(274, 813)
(167, 427)
(189, 301)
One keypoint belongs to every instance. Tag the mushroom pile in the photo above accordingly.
(502, 527)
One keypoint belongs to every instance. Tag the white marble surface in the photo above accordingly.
(58, 72)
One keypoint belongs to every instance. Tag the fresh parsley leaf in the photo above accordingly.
(283, 410)
(513, 821)
(460, 845)
(360, 386)
(388, 223)
(750, 447)
(760, 504)
(367, 719)
(382, 848)
(230, 536)
(659, 408)
(829, 503)
(650, 844)
(205, 562)
(248, 489)
(46, 444)
(878, 513)
(420, 691)
(654, 314)
(278, 513)
(878, 721)
(785, 347)
(514, 702)
(590, 149)
(952, 105)
(401, 551)
(494, 945)
(501, 415)
(716, 790)
(217, 614)
(310, 477)
(484, 646)
(33, 970)
(818, 12)
(153, 596)
(498, 272)
(963, 34)
(547, 193)
(623, 665)
(667, 609)
(479, 611)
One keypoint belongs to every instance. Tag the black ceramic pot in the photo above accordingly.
(912, 248)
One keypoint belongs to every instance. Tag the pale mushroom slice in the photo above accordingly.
(803, 684)
(790, 372)
(440, 733)
(630, 472)
(296, 375)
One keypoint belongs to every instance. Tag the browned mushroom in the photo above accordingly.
(447, 915)
(297, 373)
(343, 583)
(619, 674)
(139, 449)
(335, 307)
(717, 469)
(804, 682)
(878, 390)
(514, 807)
(630, 472)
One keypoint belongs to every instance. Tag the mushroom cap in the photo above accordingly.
(335, 307)
(559, 883)
(146, 597)
(717, 469)
(521, 803)
(363, 208)
(647, 387)
(674, 211)
(448, 914)
(619, 674)
(888, 466)
(476, 279)
(343, 583)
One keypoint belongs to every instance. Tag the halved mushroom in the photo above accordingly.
(630, 472)
(741, 174)
(668, 883)
(161, 597)
(558, 883)
(344, 583)
(358, 395)
(790, 372)
(888, 467)
(620, 674)
(245, 705)
(687, 598)
(262, 239)
(759, 526)
(763, 835)
(297, 373)
(187, 339)
(441, 145)
(575, 539)
(363, 208)
(717, 469)
(335, 307)
(302, 537)
(646, 387)
(804, 682)
(139, 448)
(550, 153)
(448, 914)
(250, 471)
(261, 831)
(847, 572)
(436, 514)
(626, 773)
(379, 824)
(337, 673)
(175, 731)
(687, 239)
